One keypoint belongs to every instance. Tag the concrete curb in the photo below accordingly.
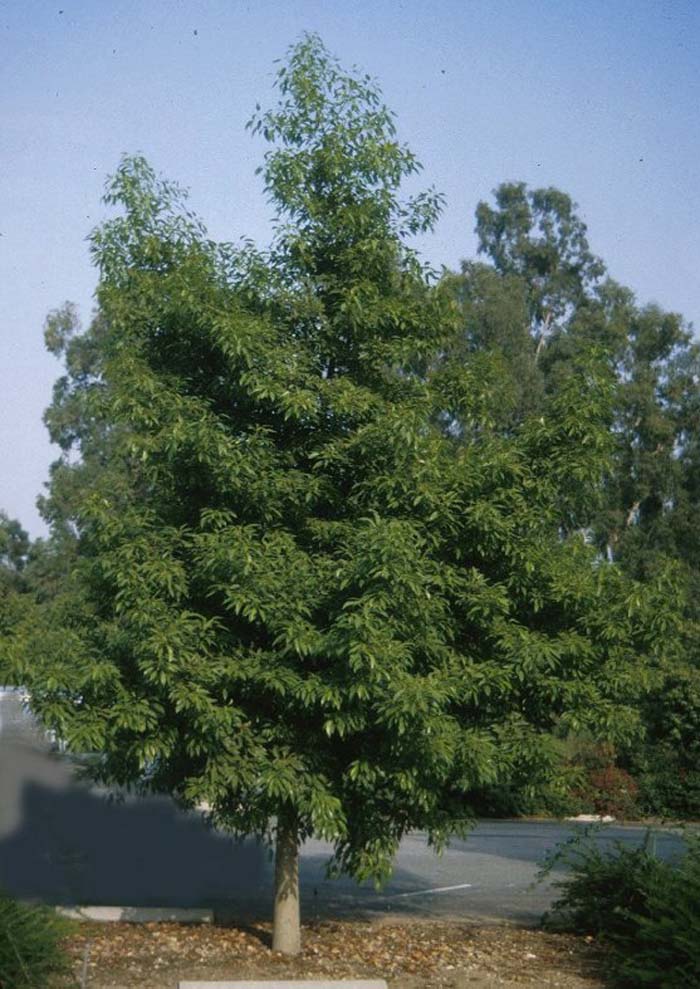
(139, 915)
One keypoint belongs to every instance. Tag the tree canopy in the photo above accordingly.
(312, 584)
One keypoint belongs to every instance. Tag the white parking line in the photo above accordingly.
(436, 889)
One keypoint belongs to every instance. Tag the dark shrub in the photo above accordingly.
(645, 910)
(605, 891)
(29, 945)
(665, 953)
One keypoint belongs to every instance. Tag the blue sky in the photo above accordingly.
(598, 98)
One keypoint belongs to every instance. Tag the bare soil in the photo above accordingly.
(409, 955)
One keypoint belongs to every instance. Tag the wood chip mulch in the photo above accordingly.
(409, 955)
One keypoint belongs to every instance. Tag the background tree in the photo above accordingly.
(542, 300)
(294, 595)
(14, 550)
(537, 236)
(35, 571)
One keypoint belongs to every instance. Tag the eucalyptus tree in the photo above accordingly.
(542, 298)
(14, 549)
(295, 596)
(537, 235)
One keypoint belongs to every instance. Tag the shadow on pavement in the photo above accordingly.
(77, 846)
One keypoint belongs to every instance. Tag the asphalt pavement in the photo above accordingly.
(63, 841)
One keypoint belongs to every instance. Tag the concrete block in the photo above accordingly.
(290, 984)
(592, 818)
(140, 915)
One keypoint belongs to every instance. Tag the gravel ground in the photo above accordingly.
(409, 955)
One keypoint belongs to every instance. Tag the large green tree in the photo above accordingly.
(538, 301)
(296, 596)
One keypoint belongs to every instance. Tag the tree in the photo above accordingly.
(542, 300)
(14, 549)
(540, 274)
(295, 595)
(537, 235)
(496, 336)
(34, 571)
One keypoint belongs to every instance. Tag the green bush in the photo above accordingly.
(666, 949)
(30, 947)
(605, 890)
(645, 910)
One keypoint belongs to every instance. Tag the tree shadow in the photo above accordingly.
(75, 846)
(72, 845)
(63, 842)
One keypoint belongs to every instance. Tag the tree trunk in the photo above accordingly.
(286, 932)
